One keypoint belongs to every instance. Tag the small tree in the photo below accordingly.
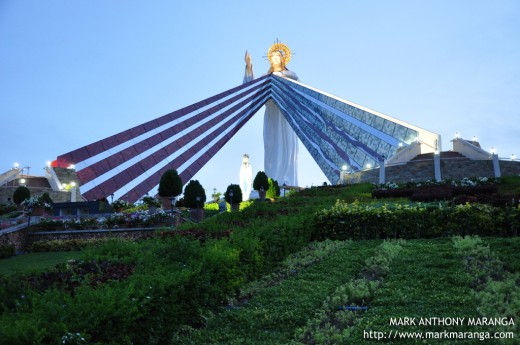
(274, 190)
(170, 184)
(261, 181)
(47, 198)
(216, 195)
(20, 194)
(192, 191)
(237, 194)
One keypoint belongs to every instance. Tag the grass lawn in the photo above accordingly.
(272, 316)
(32, 262)
(426, 280)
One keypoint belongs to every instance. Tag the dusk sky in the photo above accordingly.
(74, 72)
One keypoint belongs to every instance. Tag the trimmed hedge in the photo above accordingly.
(436, 192)
(356, 221)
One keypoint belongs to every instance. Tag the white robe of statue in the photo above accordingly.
(246, 178)
(280, 140)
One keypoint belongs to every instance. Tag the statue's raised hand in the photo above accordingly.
(247, 59)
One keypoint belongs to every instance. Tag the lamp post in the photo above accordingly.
(283, 188)
(73, 191)
(30, 215)
(343, 174)
(198, 208)
(172, 201)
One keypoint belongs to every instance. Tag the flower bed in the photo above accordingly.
(136, 219)
(434, 191)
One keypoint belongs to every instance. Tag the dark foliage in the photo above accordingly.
(20, 194)
(192, 191)
(237, 194)
(170, 184)
(261, 181)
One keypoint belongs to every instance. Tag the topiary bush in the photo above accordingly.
(192, 191)
(261, 181)
(237, 194)
(170, 184)
(20, 194)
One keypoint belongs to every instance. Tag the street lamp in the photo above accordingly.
(198, 208)
(172, 201)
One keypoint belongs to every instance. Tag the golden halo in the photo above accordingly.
(286, 52)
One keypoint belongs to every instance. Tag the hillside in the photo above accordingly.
(327, 265)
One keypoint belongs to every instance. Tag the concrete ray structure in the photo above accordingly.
(336, 132)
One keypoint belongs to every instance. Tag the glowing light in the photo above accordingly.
(72, 166)
(73, 184)
(513, 157)
(400, 144)
(48, 163)
(369, 165)
(493, 150)
(344, 167)
(22, 180)
(457, 135)
(16, 165)
(436, 152)
(474, 138)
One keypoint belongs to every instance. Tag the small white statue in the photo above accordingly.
(246, 178)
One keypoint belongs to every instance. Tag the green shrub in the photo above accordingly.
(46, 198)
(403, 220)
(170, 184)
(6, 251)
(261, 181)
(273, 191)
(192, 191)
(6, 209)
(233, 189)
(64, 245)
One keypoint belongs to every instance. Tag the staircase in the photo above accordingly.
(444, 155)
(9, 176)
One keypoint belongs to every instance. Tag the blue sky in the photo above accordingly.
(74, 72)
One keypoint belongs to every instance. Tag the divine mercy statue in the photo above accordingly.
(280, 140)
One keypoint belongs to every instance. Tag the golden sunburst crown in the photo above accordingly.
(283, 49)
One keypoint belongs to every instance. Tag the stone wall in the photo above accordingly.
(6, 194)
(135, 234)
(424, 170)
(16, 236)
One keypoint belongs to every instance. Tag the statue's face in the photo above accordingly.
(276, 59)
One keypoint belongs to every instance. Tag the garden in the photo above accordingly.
(319, 266)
